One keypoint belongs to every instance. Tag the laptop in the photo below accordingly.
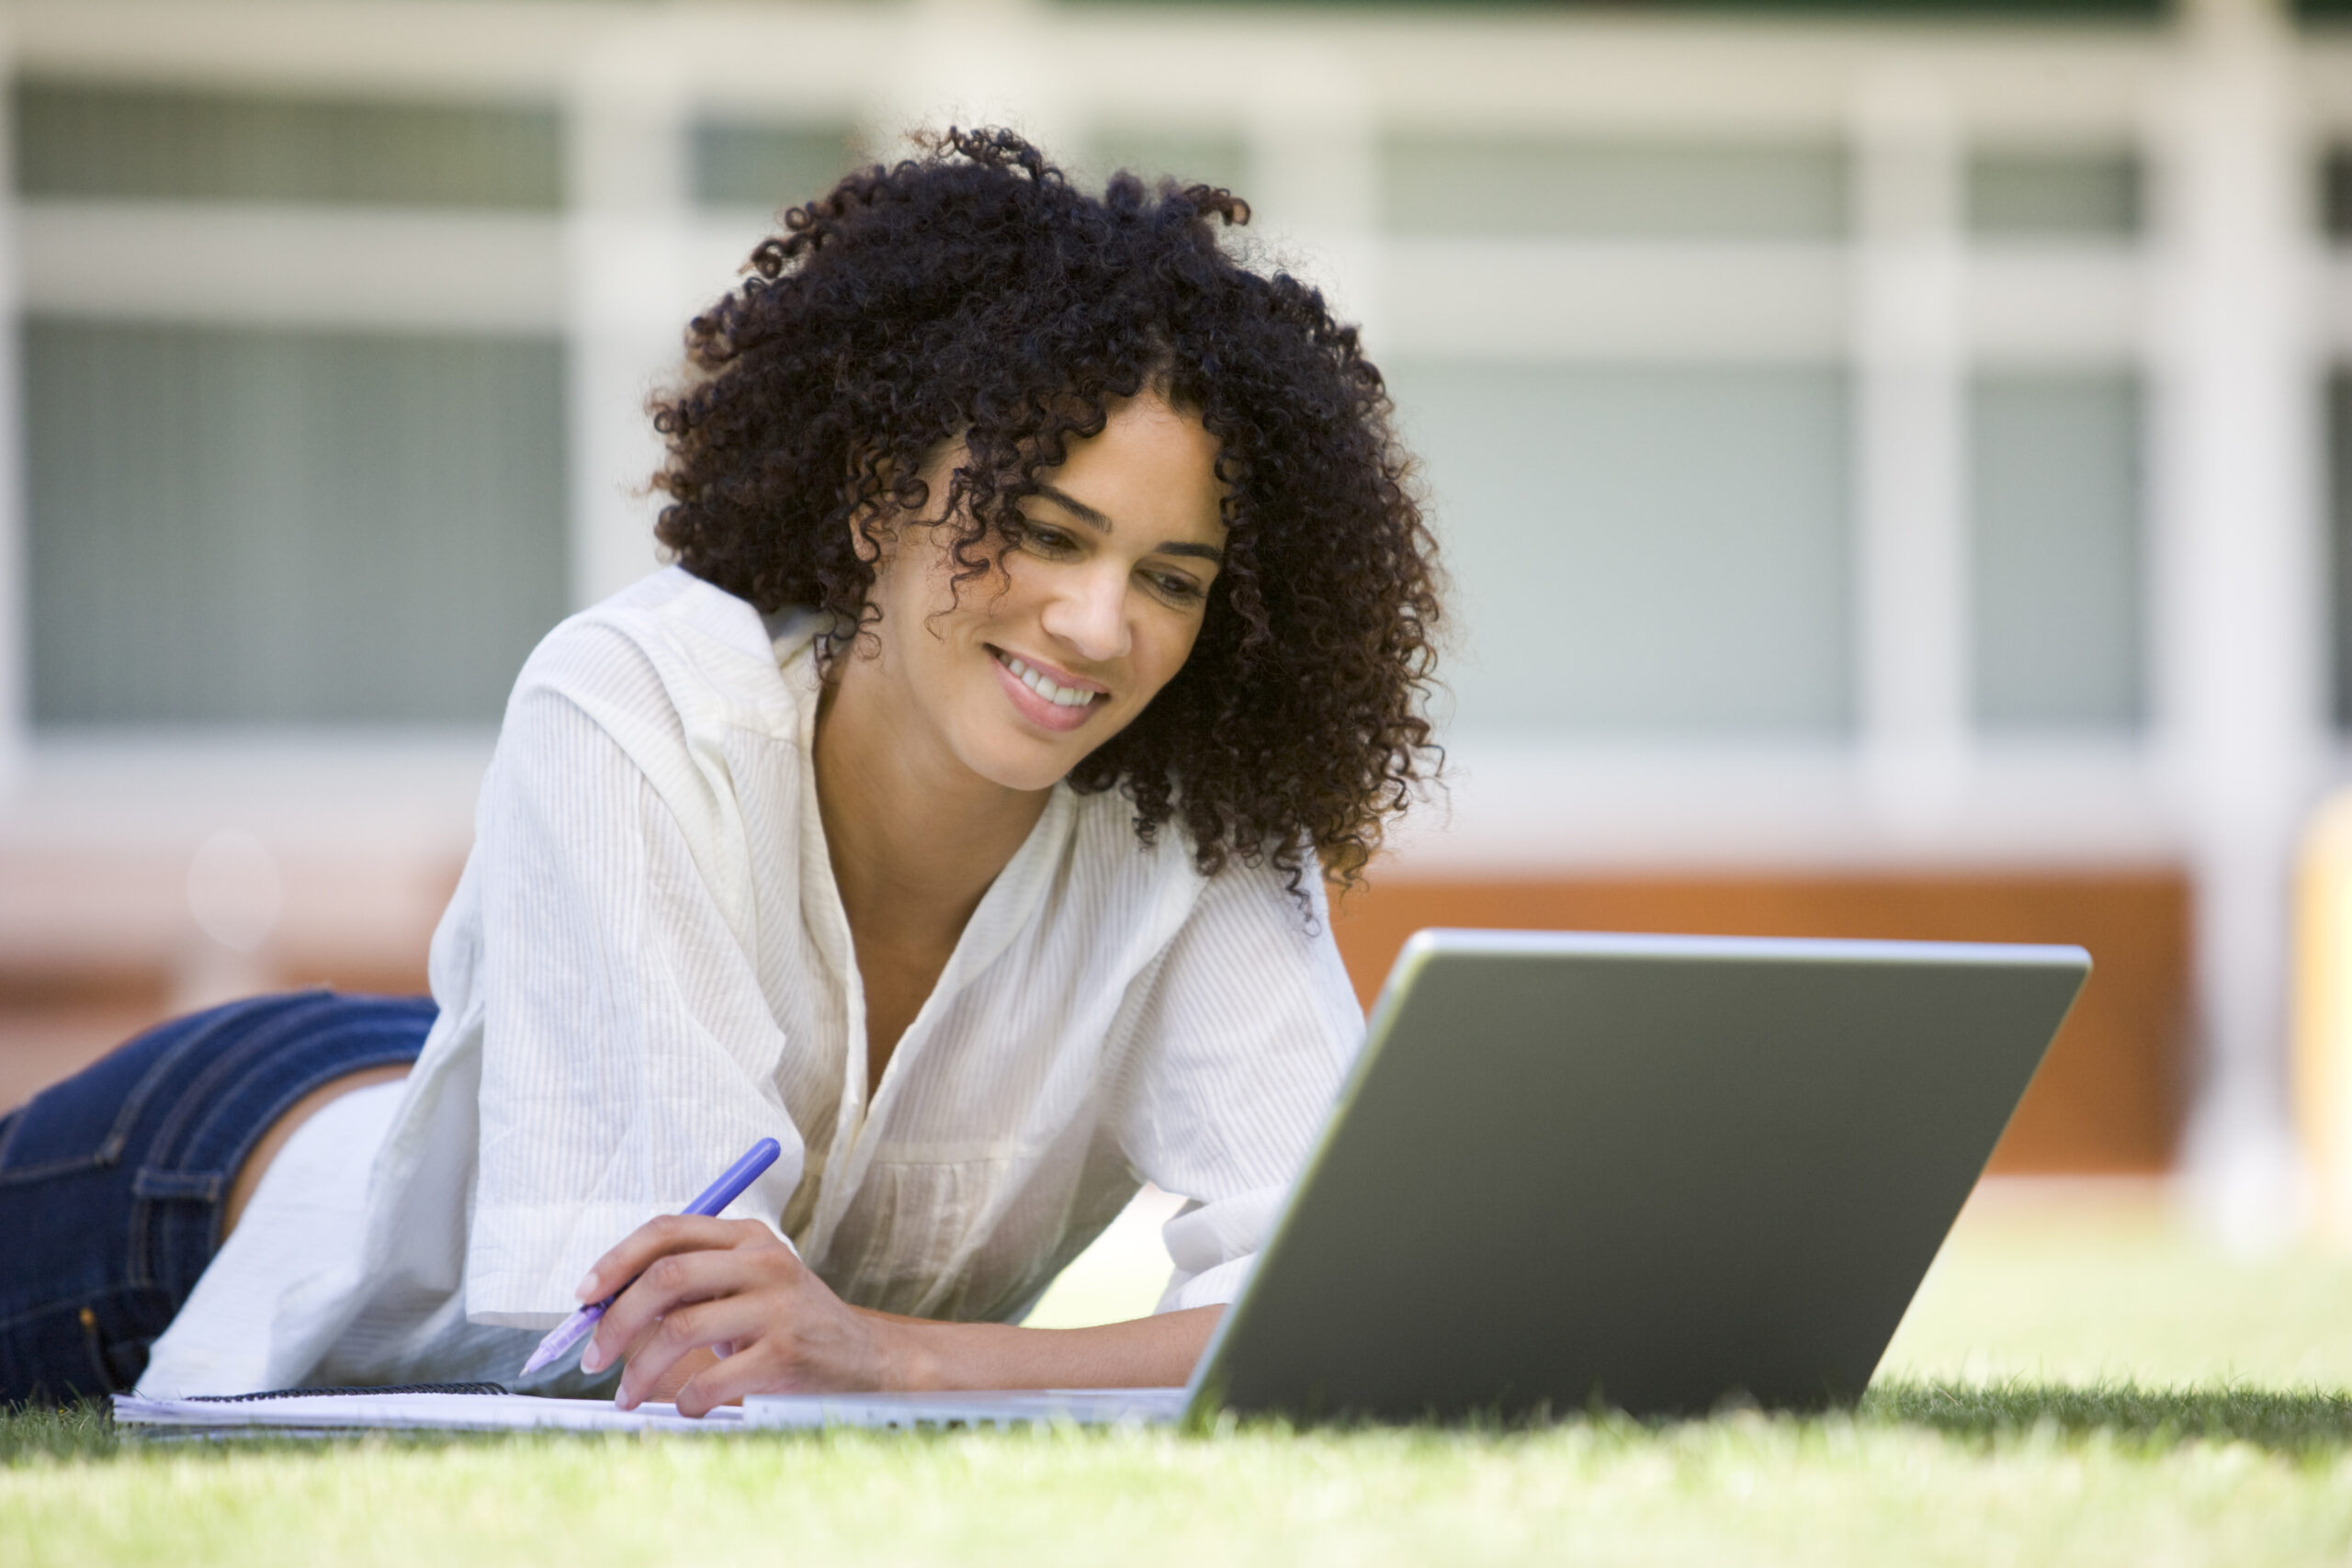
(1575, 1170)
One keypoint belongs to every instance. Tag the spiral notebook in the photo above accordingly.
(488, 1407)
(447, 1407)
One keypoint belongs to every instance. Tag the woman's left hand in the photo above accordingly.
(730, 1289)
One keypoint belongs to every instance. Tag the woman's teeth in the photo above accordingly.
(1060, 697)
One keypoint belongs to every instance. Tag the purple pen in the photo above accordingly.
(715, 1196)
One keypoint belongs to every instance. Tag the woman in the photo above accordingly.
(1048, 618)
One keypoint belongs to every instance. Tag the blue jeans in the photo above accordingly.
(112, 1183)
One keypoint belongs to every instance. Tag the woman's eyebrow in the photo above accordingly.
(1075, 507)
(1096, 520)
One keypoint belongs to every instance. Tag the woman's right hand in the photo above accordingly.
(722, 1308)
(733, 1291)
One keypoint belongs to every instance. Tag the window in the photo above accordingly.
(1656, 550)
(2055, 540)
(1450, 184)
(2018, 193)
(743, 163)
(132, 143)
(247, 527)
(2335, 194)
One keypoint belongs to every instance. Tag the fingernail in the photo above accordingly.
(586, 1289)
(592, 1360)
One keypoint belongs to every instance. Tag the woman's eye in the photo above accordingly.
(1179, 590)
(1045, 540)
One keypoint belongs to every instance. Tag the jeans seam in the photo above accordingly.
(137, 1248)
(30, 1173)
(136, 1101)
(374, 1055)
(117, 1136)
(109, 1148)
(140, 1262)
(257, 1043)
(145, 1219)
(85, 1297)
(141, 1237)
(167, 1149)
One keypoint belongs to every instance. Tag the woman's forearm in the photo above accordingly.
(1145, 1352)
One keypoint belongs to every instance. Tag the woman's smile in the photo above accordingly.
(1046, 694)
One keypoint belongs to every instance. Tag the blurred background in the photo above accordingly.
(1895, 462)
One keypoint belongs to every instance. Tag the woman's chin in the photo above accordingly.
(1028, 780)
(1024, 762)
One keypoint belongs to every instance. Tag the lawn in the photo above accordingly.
(2082, 1380)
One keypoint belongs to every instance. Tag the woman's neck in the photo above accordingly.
(914, 836)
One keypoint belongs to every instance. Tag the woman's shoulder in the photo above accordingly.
(1112, 856)
(670, 638)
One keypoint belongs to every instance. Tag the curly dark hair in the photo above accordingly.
(974, 294)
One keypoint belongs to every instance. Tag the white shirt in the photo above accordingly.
(646, 968)
(303, 1221)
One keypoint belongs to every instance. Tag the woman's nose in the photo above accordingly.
(1089, 612)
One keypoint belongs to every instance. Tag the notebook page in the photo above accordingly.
(413, 1412)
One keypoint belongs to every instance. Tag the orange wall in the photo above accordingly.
(2108, 1097)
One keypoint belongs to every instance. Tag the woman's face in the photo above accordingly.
(1017, 678)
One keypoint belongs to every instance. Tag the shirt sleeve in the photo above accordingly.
(1242, 1034)
(628, 1053)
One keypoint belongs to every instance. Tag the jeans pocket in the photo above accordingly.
(85, 1122)
(43, 1141)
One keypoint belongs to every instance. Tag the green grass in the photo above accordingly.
(2080, 1382)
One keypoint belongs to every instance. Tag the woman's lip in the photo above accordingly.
(1051, 671)
(1036, 709)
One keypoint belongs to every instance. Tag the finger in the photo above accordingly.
(668, 1283)
(658, 1239)
(756, 1285)
(809, 1343)
(638, 1304)
(683, 1332)
(764, 1367)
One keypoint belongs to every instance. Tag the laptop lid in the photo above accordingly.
(1649, 1171)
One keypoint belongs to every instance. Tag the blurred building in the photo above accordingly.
(1892, 459)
